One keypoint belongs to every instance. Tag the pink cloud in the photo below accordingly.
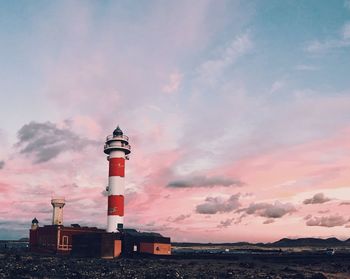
(173, 84)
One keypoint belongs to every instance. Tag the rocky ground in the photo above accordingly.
(296, 266)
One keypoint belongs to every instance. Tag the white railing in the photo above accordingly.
(115, 145)
(122, 137)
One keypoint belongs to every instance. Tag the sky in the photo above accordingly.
(238, 114)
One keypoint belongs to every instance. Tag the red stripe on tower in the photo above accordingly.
(117, 167)
(116, 205)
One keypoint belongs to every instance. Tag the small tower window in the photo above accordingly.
(65, 240)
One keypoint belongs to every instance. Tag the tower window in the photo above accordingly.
(65, 240)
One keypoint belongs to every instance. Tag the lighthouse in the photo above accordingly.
(113, 241)
(118, 149)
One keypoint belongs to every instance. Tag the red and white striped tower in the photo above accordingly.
(117, 148)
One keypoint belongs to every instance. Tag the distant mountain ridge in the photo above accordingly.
(309, 241)
(284, 242)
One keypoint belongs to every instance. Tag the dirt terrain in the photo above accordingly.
(22, 264)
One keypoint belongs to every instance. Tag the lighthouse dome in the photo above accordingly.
(117, 132)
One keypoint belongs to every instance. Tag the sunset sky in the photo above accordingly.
(238, 114)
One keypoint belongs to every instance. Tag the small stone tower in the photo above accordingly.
(57, 216)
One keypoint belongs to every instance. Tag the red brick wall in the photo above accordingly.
(155, 248)
(33, 238)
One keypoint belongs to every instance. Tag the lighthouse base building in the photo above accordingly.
(94, 242)
(91, 241)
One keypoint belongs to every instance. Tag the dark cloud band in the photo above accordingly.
(327, 221)
(213, 205)
(275, 210)
(203, 181)
(317, 198)
(46, 141)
